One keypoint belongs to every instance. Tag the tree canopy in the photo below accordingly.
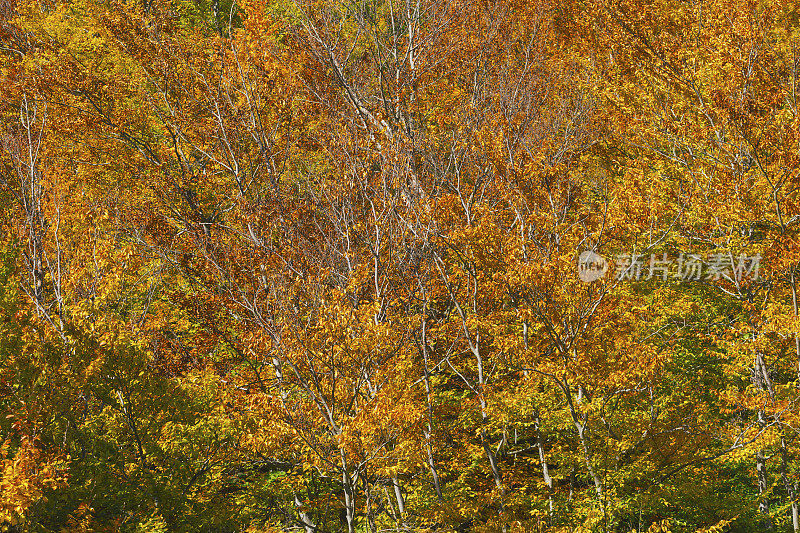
(321, 266)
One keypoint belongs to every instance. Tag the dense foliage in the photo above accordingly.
(314, 265)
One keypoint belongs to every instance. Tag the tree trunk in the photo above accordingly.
(791, 488)
(428, 393)
(545, 468)
(349, 497)
(763, 486)
(401, 502)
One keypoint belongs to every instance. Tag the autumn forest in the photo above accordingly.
(339, 266)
